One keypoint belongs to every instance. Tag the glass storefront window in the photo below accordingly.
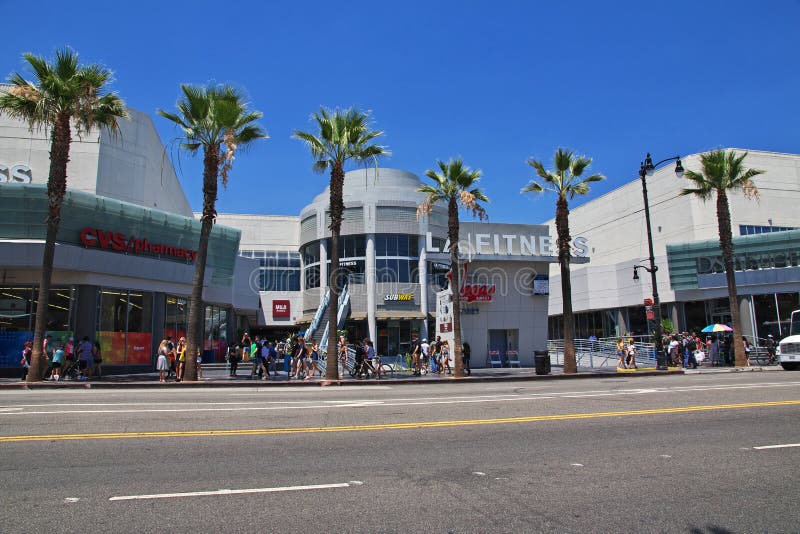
(215, 335)
(175, 317)
(125, 326)
(787, 303)
(18, 313)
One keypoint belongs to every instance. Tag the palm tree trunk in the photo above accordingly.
(194, 331)
(726, 244)
(56, 190)
(562, 228)
(337, 212)
(452, 234)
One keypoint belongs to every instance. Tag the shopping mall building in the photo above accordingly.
(691, 280)
(126, 245)
(125, 258)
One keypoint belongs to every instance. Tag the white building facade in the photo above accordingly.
(608, 302)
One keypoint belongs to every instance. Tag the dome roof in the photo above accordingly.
(365, 185)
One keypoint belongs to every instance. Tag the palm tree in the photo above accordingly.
(566, 182)
(63, 95)
(454, 185)
(722, 172)
(216, 120)
(344, 135)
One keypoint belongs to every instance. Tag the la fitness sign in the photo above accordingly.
(119, 242)
(15, 174)
(511, 245)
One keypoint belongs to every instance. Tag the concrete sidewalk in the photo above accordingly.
(218, 377)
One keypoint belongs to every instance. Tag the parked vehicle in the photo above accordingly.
(789, 347)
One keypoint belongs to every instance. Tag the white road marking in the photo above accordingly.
(262, 405)
(71, 500)
(479, 473)
(577, 465)
(665, 456)
(784, 446)
(230, 492)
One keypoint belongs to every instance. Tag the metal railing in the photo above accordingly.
(602, 352)
(323, 306)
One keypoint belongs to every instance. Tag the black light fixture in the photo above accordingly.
(635, 274)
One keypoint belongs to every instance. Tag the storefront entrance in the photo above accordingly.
(500, 343)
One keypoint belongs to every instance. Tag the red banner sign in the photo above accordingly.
(281, 308)
(107, 240)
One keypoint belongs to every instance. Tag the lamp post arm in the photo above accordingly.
(674, 158)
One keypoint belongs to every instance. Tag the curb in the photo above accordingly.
(323, 383)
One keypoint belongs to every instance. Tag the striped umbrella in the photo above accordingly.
(717, 328)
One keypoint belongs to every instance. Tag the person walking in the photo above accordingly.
(748, 348)
(416, 355)
(621, 354)
(97, 359)
(444, 351)
(25, 362)
(233, 359)
(342, 354)
(466, 354)
(85, 359)
(770, 346)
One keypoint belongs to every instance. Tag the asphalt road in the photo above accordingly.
(627, 454)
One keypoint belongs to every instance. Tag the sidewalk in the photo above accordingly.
(218, 377)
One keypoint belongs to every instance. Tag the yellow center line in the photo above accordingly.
(391, 426)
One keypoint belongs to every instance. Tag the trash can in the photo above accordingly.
(541, 360)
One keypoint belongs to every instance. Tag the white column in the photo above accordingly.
(369, 274)
(323, 267)
(423, 286)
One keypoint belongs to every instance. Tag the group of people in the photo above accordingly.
(688, 350)
(301, 360)
(171, 360)
(435, 357)
(626, 352)
(65, 359)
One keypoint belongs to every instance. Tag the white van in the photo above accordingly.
(789, 347)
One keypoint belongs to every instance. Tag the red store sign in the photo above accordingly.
(474, 292)
(280, 308)
(107, 240)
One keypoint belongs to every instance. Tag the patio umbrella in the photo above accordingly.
(717, 328)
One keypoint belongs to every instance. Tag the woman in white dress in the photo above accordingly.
(162, 364)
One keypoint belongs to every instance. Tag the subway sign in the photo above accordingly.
(119, 242)
(399, 297)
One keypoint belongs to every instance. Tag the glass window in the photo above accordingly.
(140, 328)
(311, 253)
(312, 276)
(381, 245)
(402, 245)
(787, 302)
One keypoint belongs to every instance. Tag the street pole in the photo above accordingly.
(661, 360)
(645, 169)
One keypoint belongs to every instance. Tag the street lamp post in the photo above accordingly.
(646, 169)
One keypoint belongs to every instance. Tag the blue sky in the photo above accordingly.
(495, 82)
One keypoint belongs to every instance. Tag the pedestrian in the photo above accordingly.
(314, 354)
(674, 357)
(416, 355)
(233, 359)
(371, 360)
(299, 358)
(97, 359)
(246, 347)
(425, 355)
(58, 360)
(162, 363)
(342, 353)
(466, 354)
(621, 354)
(85, 359)
(747, 349)
(444, 351)
(48, 347)
(181, 359)
(25, 362)
(264, 357)
(631, 359)
(199, 364)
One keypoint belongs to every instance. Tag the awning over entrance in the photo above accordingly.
(398, 315)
